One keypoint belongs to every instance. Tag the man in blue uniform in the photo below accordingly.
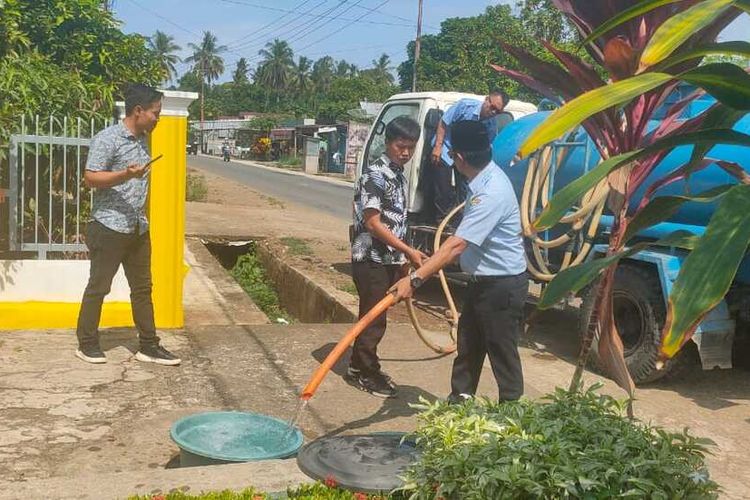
(490, 247)
(445, 195)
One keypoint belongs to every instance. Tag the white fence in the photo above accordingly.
(48, 204)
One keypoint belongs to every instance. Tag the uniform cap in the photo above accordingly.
(469, 135)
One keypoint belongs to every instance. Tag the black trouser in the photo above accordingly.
(491, 324)
(446, 195)
(107, 250)
(372, 281)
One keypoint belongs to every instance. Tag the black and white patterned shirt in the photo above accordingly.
(121, 207)
(382, 187)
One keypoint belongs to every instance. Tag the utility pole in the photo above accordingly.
(417, 43)
(203, 92)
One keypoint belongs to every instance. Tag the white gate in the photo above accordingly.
(47, 201)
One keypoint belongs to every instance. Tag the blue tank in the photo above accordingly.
(583, 156)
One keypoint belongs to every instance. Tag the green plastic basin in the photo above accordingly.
(228, 436)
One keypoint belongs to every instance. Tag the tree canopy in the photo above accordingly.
(63, 57)
(459, 56)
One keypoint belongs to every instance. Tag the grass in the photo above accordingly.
(273, 201)
(297, 246)
(250, 274)
(348, 288)
(196, 188)
(290, 162)
(317, 491)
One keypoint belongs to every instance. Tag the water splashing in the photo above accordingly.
(292, 422)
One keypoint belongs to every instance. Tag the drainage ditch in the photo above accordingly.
(285, 294)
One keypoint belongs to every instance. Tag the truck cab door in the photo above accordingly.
(416, 109)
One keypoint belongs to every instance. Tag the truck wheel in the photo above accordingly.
(640, 313)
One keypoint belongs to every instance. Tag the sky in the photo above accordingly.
(355, 30)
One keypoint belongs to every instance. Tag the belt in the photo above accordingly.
(477, 278)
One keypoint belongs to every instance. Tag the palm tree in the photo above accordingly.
(275, 70)
(343, 69)
(207, 63)
(382, 67)
(164, 48)
(302, 81)
(322, 73)
(240, 72)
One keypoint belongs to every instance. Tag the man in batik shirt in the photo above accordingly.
(379, 253)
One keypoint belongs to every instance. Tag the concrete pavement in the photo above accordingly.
(73, 430)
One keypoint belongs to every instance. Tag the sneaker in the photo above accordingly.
(353, 373)
(458, 399)
(378, 384)
(157, 354)
(91, 354)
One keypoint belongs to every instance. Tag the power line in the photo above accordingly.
(375, 10)
(307, 29)
(322, 24)
(341, 28)
(255, 39)
(294, 30)
(254, 34)
(278, 9)
(169, 21)
(317, 24)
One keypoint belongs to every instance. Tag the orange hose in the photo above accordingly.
(344, 344)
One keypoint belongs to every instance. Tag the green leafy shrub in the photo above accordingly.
(571, 445)
(249, 273)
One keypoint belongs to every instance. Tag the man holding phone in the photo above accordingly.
(118, 168)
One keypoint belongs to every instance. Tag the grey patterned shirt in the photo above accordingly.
(382, 186)
(121, 207)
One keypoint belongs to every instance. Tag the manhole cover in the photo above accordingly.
(369, 463)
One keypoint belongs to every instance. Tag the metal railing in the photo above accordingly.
(47, 201)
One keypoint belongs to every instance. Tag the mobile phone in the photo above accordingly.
(152, 160)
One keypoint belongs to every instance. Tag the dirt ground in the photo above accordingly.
(317, 244)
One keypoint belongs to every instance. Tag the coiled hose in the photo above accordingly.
(537, 188)
(451, 315)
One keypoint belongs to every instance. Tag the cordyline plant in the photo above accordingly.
(646, 49)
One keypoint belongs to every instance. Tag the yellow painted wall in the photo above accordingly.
(45, 315)
(166, 214)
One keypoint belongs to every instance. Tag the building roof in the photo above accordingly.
(371, 109)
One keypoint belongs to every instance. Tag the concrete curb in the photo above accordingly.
(306, 300)
(267, 476)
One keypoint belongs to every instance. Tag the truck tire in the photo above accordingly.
(640, 313)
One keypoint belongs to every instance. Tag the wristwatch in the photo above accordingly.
(415, 280)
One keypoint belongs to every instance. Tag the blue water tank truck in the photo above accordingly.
(643, 281)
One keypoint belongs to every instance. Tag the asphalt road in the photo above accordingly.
(333, 199)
